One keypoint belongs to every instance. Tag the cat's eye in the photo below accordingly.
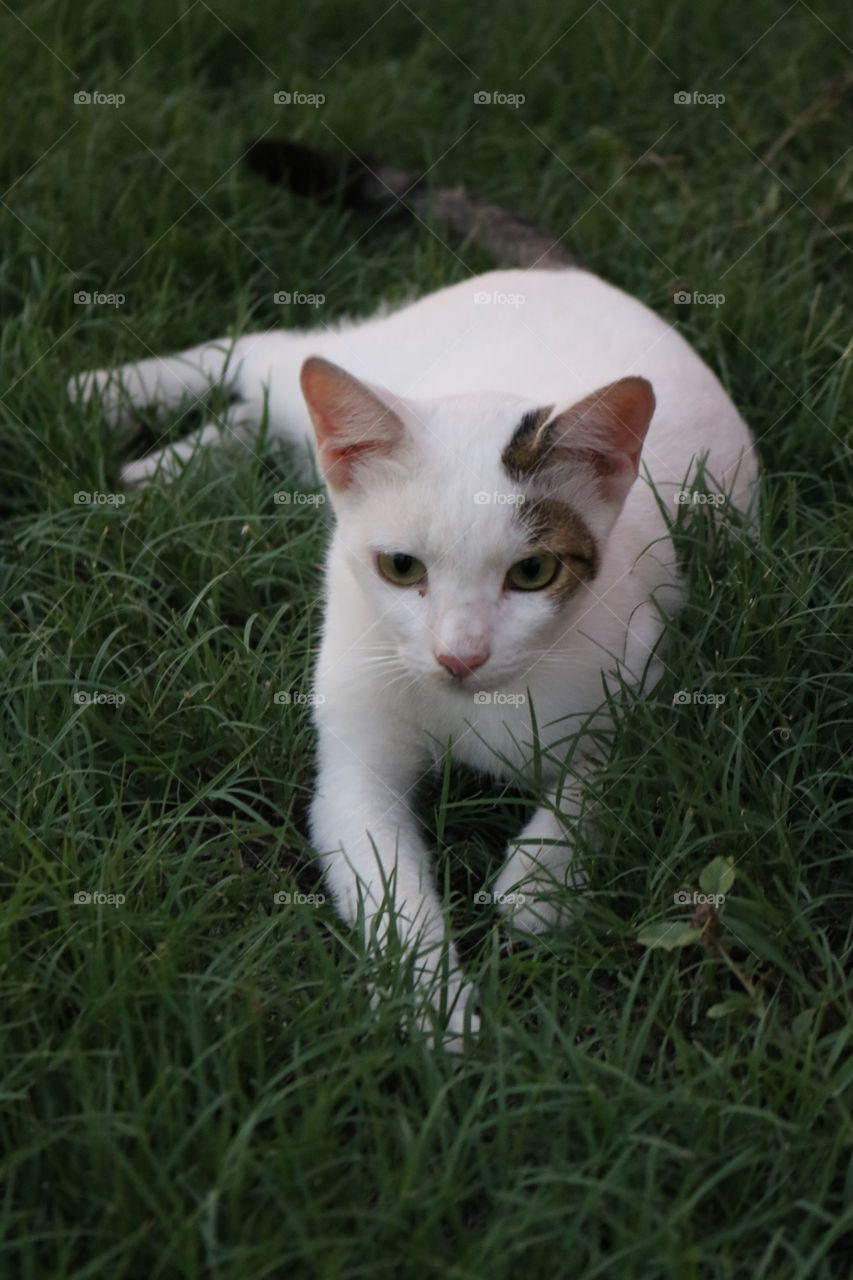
(401, 569)
(534, 573)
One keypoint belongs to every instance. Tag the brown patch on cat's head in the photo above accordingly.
(553, 526)
(525, 452)
(603, 434)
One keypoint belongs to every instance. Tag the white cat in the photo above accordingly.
(500, 554)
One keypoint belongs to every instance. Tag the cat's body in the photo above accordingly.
(494, 424)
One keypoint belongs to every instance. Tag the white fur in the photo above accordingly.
(464, 372)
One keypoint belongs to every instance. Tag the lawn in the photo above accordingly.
(194, 1082)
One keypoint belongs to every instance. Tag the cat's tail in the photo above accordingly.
(362, 183)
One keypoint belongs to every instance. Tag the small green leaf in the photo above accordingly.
(718, 877)
(802, 1024)
(734, 1004)
(671, 935)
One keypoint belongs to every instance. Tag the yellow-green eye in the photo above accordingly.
(534, 573)
(401, 569)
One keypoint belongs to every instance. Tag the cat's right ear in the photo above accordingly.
(351, 423)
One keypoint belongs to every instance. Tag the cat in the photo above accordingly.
(500, 556)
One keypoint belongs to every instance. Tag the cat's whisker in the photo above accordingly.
(387, 661)
(402, 675)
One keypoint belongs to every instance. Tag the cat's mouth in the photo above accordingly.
(482, 686)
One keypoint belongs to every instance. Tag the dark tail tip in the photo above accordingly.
(309, 172)
(364, 184)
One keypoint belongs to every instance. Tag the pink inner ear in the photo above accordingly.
(351, 422)
(606, 431)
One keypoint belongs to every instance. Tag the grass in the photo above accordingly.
(194, 1083)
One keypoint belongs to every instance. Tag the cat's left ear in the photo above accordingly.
(351, 423)
(602, 435)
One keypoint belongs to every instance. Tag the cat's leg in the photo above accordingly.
(240, 423)
(530, 888)
(261, 373)
(161, 382)
(377, 869)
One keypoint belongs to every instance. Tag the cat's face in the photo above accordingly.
(473, 528)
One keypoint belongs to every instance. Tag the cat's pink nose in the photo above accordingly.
(464, 664)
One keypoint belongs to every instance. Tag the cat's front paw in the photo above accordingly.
(444, 1017)
(453, 1024)
(534, 897)
(532, 909)
(112, 392)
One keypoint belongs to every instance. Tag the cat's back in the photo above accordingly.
(530, 333)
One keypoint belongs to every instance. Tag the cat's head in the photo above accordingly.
(475, 524)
